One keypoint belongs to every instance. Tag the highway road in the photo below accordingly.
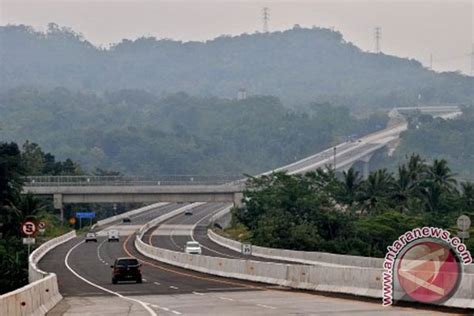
(84, 277)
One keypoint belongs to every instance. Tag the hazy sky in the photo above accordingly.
(413, 29)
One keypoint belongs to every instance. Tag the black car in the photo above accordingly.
(126, 220)
(126, 269)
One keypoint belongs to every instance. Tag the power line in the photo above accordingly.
(266, 18)
(378, 39)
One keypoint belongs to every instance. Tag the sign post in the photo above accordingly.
(463, 222)
(247, 249)
(82, 215)
(28, 228)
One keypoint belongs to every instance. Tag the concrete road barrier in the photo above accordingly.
(353, 280)
(333, 278)
(42, 294)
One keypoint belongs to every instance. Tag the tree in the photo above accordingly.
(374, 195)
(350, 187)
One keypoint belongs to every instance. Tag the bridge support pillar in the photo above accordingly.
(58, 204)
(238, 199)
(365, 170)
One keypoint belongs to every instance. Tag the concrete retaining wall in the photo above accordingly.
(349, 280)
(306, 257)
(223, 218)
(360, 281)
(42, 294)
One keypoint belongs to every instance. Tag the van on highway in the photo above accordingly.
(113, 235)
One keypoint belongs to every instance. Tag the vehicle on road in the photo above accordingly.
(188, 212)
(91, 237)
(126, 269)
(193, 248)
(113, 235)
(126, 220)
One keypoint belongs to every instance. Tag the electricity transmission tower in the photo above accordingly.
(378, 39)
(265, 17)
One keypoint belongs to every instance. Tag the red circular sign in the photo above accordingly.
(429, 272)
(28, 228)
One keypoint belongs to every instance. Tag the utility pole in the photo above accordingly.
(265, 17)
(378, 39)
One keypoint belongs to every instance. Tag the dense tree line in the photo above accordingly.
(15, 208)
(452, 140)
(138, 133)
(298, 65)
(321, 211)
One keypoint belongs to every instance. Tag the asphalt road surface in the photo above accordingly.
(84, 277)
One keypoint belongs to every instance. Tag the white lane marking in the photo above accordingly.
(176, 312)
(197, 293)
(210, 249)
(173, 287)
(98, 252)
(144, 280)
(266, 306)
(156, 283)
(226, 298)
(144, 304)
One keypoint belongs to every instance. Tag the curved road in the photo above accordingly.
(84, 278)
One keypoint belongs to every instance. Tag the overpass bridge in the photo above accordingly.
(86, 189)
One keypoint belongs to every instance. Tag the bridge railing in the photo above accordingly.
(38, 181)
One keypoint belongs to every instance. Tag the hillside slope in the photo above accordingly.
(298, 66)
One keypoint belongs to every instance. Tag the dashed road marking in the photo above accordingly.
(156, 283)
(226, 298)
(197, 293)
(266, 306)
(144, 304)
(173, 287)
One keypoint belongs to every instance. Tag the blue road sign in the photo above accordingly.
(85, 214)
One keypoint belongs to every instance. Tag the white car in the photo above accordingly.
(91, 237)
(193, 248)
(113, 235)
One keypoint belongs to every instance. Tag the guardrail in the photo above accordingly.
(42, 294)
(33, 181)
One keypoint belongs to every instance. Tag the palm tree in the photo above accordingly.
(349, 186)
(441, 174)
(404, 188)
(416, 168)
(374, 194)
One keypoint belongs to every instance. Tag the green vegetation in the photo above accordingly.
(319, 211)
(137, 133)
(452, 140)
(298, 66)
(16, 208)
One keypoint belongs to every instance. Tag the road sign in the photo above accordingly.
(41, 227)
(72, 220)
(28, 241)
(85, 214)
(247, 249)
(463, 235)
(464, 222)
(28, 228)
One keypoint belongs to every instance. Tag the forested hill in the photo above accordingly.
(298, 66)
(136, 133)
